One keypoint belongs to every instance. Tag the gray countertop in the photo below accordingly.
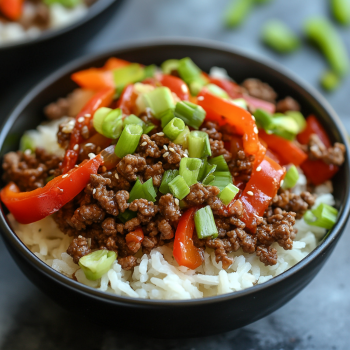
(318, 318)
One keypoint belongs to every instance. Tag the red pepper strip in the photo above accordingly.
(102, 98)
(115, 63)
(285, 149)
(175, 85)
(12, 9)
(28, 207)
(134, 239)
(127, 99)
(184, 251)
(235, 91)
(313, 126)
(260, 189)
(236, 116)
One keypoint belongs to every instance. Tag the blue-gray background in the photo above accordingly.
(318, 318)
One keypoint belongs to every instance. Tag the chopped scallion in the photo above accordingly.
(217, 91)
(129, 140)
(112, 124)
(291, 177)
(127, 215)
(174, 128)
(145, 190)
(189, 169)
(192, 114)
(159, 100)
(26, 142)
(169, 65)
(228, 193)
(136, 192)
(148, 128)
(182, 139)
(205, 170)
(222, 179)
(127, 75)
(178, 187)
(221, 164)
(330, 80)
(99, 117)
(323, 216)
(205, 223)
(298, 118)
(240, 102)
(168, 176)
(198, 144)
(166, 116)
(132, 119)
(149, 71)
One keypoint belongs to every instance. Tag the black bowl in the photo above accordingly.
(188, 318)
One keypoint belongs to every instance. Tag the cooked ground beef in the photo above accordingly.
(78, 248)
(147, 147)
(211, 129)
(130, 165)
(58, 109)
(218, 149)
(169, 207)
(267, 254)
(30, 171)
(258, 89)
(287, 104)
(242, 165)
(155, 172)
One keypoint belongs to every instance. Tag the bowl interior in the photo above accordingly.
(29, 113)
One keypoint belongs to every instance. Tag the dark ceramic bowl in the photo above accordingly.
(187, 318)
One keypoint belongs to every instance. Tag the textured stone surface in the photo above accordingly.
(318, 318)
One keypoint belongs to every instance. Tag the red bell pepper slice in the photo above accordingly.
(133, 238)
(175, 85)
(115, 63)
(260, 189)
(102, 98)
(235, 116)
(127, 100)
(313, 126)
(12, 9)
(184, 251)
(283, 148)
(28, 207)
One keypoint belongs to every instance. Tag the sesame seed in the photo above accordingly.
(256, 130)
(89, 144)
(171, 149)
(61, 189)
(80, 236)
(116, 176)
(87, 115)
(92, 155)
(27, 152)
(160, 133)
(165, 147)
(250, 193)
(144, 143)
(94, 191)
(177, 202)
(81, 119)
(184, 88)
(76, 166)
(185, 155)
(200, 98)
(281, 183)
(258, 168)
(76, 147)
(253, 117)
(165, 154)
(65, 175)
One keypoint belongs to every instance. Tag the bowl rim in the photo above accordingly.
(93, 11)
(177, 42)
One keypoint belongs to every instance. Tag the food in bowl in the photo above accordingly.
(172, 183)
(21, 20)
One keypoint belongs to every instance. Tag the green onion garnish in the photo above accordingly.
(329, 80)
(205, 170)
(222, 179)
(221, 164)
(182, 139)
(148, 128)
(228, 193)
(168, 176)
(99, 117)
(169, 65)
(112, 124)
(341, 11)
(237, 12)
(26, 142)
(217, 91)
(127, 215)
(205, 224)
(178, 187)
(136, 192)
(323, 216)
(166, 116)
(291, 177)
(298, 118)
(145, 190)
(96, 264)
(127, 75)
(208, 180)
(149, 71)
(129, 140)
(159, 100)
(132, 119)
(198, 144)
(189, 169)
(240, 102)
(174, 128)
(192, 114)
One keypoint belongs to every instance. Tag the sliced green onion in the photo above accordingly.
(112, 124)
(168, 176)
(285, 127)
(150, 71)
(298, 118)
(240, 102)
(169, 65)
(237, 12)
(127, 215)
(291, 177)
(323, 216)
(222, 179)
(221, 164)
(182, 139)
(205, 224)
(189, 169)
(129, 140)
(192, 114)
(174, 128)
(136, 192)
(191, 74)
(132, 119)
(341, 11)
(279, 37)
(228, 193)
(330, 80)
(166, 116)
(205, 170)
(99, 117)
(26, 142)
(178, 187)
(217, 91)
(263, 119)
(145, 190)
(127, 75)
(96, 264)
(159, 100)
(65, 3)
(209, 180)
(148, 128)
(198, 144)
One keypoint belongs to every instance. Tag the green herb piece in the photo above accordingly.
(166, 116)
(168, 176)
(222, 179)
(99, 117)
(159, 100)
(145, 190)
(240, 102)
(341, 11)
(220, 162)
(323, 216)
(65, 3)
(228, 193)
(217, 91)
(127, 215)
(128, 75)
(291, 177)
(169, 65)
(112, 124)
(330, 81)
(205, 170)
(174, 128)
(26, 142)
(129, 140)
(191, 74)
(149, 71)
(192, 114)
(298, 118)
(198, 144)
(189, 169)
(237, 12)
(182, 139)
(178, 187)
(205, 224)
(132, 119)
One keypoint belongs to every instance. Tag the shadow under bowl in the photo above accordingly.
(184, 318)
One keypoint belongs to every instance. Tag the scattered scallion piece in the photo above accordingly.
(198, 144)
(220, 162)
(132, 119)
(182, 139)
(168, 176)
(222, 179)
(178, 187)
(209, 180)
(145, 190)
(191, 74)
(166, 116)
(329, 80)
(323, 33)
(263, 119)
(65, 3)
(96, 264)
(341, 11)
(169, 65)
(149, 71)
(127, 215)
(26, 142)
(127, 75)
(136, 192)
(323, 216)
(159, 100)
(205, 224)
(189, 169)
(174, 128)
(291, 177)
(217, 91)
(279, 37)
(228, 193)
(299, 119)
(148, 128)
(128, 140)
(237, 12)
(192, 114)
(112, 124)
(240, 102)
(99, 117)
(205, 170)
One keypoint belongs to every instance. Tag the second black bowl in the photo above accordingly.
(189, 317)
